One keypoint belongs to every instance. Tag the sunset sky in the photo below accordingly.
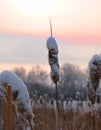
(24, 29)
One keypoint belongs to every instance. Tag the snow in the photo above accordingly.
(55, 72)
(8, 77)
(95, 61)
(90, 85)
(28, 128)
(51, 44)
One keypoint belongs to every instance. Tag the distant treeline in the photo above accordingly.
(72, 80)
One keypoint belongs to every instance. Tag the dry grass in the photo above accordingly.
(68, 120)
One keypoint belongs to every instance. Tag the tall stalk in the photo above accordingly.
(54, 64)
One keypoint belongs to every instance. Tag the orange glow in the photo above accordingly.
(78, 19)
(27, 67)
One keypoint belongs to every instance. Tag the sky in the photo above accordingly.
(24, 29)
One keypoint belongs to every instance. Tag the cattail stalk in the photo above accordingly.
(9, 108)
(30, 124)
(54, 64)
(50, 26)
(57, 108)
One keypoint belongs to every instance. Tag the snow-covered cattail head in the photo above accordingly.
(52, 45)
(53, 59)
(95, 62)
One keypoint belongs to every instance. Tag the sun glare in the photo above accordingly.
(37, 7)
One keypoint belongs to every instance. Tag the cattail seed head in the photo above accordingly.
(53, 59)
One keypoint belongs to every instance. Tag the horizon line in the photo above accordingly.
(57, 35)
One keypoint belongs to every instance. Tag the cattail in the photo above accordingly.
(94, 76)
(53, 56)
(53, 59)
(54, 64)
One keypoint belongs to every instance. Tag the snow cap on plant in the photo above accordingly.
(53, 59)
(52, 45)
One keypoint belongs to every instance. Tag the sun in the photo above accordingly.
(37, 7)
